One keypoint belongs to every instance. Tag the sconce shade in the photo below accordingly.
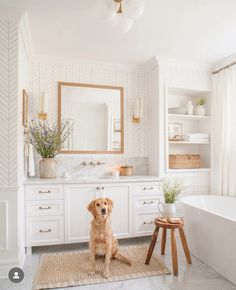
(43, 104)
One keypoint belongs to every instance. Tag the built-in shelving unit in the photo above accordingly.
(189, 143)
(188, 117)
(189, 124)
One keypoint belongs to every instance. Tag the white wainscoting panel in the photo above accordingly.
(3, 225)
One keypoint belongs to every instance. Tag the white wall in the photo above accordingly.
(13, 63)
(46, 72)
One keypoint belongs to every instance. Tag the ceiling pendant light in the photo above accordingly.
(123, 12)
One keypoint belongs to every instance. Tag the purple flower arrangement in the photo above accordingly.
(46, 138)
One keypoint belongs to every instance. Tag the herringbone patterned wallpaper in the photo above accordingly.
(45, 76)
(8, 102)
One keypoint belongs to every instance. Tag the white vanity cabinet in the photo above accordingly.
(57, 213)
(146, 199)
(121, 195)
(77, 217)
(44, 206)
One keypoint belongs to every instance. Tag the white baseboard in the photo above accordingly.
(7, 264)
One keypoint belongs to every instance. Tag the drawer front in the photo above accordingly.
(44, 192)
(148, 189)
(44, 231)
(147, 202)
(144, 223)
(44, 208)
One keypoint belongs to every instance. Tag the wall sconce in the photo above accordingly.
(138, 110)
(43, 103)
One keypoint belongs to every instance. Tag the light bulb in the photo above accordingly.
(134, 8)
(111, 5)
(108, 11)
(122, 23)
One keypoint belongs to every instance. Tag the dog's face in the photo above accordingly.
(100, 207)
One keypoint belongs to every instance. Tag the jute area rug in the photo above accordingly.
(66, 269)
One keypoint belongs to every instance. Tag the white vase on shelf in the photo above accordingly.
(190, 108)
(200, 110)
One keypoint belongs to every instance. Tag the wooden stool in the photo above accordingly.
(172, 227)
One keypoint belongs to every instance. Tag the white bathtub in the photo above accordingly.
(211, 231)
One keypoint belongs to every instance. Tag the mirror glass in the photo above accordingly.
(95, 114)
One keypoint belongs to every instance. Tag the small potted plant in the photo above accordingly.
(171, 190)
(200, 109)
(47, 139)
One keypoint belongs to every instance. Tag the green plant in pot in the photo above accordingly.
(200, 109)
(47, 139)
(171, 190)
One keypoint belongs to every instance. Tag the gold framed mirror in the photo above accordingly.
(96, 115)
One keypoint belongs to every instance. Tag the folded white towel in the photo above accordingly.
(198, 135)
(199, 141)
(31, 169)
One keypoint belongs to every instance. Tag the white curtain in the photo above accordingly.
(223, 139)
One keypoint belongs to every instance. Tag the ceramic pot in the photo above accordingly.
(200, 110)
(48, 168)
(167, 210)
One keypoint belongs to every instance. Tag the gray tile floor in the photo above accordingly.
(197, 276)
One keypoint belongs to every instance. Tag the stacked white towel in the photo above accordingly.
(198, 137)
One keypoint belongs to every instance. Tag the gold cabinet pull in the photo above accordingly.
(148, 223)
(45, 231)
(148, 202)
(46, 207)
(44, 191)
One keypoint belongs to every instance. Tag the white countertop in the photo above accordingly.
(92, 179)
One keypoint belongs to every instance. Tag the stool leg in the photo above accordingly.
(152, 245)
(163, 241)
(174, 253)
(185, 245)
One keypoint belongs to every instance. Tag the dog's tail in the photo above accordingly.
(123, 258)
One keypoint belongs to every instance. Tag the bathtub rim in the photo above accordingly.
(184, 200)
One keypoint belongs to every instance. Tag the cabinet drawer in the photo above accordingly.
(144, 223)
(44, 230)
(147, 189)
(44, 208)
(147, 202)
(44, 192)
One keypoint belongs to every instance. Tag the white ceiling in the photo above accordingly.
(197, 30)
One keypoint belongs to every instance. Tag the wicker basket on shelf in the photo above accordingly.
(184, 161)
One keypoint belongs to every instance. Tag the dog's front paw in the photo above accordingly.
(92, 273)
(106, 274)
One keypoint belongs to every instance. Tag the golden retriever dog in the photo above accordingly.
(102, 242)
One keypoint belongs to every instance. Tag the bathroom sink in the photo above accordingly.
(92, 177)
(105, 177)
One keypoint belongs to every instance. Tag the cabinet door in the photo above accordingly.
(121, 215)
(77, 217)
